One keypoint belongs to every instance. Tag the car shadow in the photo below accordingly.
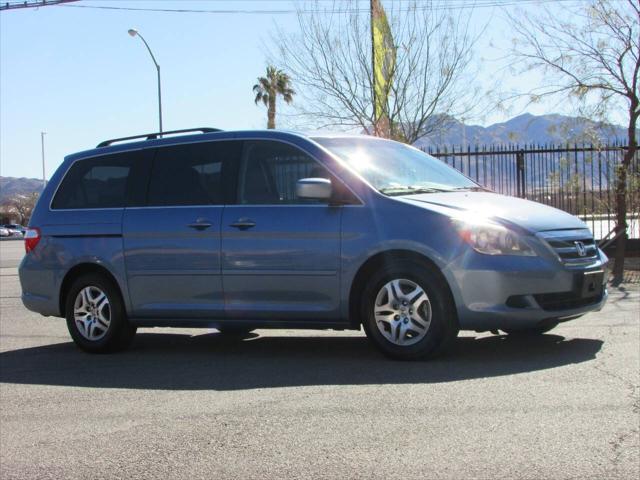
(217, 362)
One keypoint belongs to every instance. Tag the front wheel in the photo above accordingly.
(96, 317)
(407, 311)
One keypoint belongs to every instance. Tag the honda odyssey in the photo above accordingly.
(267, 229)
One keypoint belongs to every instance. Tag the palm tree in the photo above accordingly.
(268, 88)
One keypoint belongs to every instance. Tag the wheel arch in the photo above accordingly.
(75, 272)
(378, 261)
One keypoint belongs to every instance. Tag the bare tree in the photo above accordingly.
(21, 206)
(589, 53)
(330, 60)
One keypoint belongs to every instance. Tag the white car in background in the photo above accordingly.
(15, 230)
(4, 232)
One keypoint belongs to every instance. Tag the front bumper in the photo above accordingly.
(521, 292)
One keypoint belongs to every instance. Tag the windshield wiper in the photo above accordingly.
(410, 190)
(471, 189)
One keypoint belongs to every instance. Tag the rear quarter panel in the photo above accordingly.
(71, 238)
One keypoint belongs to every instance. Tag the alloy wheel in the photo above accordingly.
(402, 312)
(92, 313)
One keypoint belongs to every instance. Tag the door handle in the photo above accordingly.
(243, 223)
(200, 224)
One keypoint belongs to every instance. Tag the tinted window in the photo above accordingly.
(269, 172)
(99, 182)
(190, 174)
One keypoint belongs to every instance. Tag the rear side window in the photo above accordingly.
(99, 182)
(190, 174)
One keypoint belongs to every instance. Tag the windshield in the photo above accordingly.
(396, 169)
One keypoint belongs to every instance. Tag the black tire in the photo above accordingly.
(443, 328)
(119, 333)
(532, 331)
(235, 331)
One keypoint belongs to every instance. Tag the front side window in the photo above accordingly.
(99, 182)
(190, 174)
(270, 170)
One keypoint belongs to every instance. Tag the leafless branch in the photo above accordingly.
(329, 59)
(590, 53)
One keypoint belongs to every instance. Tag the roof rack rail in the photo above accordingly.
(153, 136)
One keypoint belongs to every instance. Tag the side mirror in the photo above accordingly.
(314, 188)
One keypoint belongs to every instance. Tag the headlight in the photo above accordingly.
(492, 239)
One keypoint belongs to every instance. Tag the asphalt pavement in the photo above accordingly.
(306, 404)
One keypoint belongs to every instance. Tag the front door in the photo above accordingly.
(172, 242)
(281, 254)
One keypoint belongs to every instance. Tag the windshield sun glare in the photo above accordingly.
(396, 169)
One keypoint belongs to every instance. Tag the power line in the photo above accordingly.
(32, 4)
(445, 6)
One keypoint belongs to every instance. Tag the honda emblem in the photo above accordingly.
(582, 251)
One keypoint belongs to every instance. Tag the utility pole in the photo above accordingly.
(44, 175)
(373, 67)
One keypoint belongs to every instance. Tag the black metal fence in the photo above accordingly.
(579, 179)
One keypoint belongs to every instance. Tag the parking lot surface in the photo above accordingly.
(308, 404)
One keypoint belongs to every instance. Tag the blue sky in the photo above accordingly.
(76, 74)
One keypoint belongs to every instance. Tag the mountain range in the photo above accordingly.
(12, 186)
(525, 129)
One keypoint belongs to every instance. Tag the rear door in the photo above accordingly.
(172, 240)
(281, 254)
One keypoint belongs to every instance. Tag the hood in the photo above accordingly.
(531, 216)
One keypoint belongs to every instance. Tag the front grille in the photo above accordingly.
(568, 249)
(573, 246)
(565, 300)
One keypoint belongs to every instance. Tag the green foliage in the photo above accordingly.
(275, 83)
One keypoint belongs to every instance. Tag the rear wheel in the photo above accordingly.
(96, 316)
(407, 311)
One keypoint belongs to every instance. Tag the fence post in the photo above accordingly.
(520, 175)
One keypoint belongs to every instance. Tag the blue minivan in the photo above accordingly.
(268, 229)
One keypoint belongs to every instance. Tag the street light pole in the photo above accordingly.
(133, 32)
(44, 175)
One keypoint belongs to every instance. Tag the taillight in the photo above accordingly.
(31, 238)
